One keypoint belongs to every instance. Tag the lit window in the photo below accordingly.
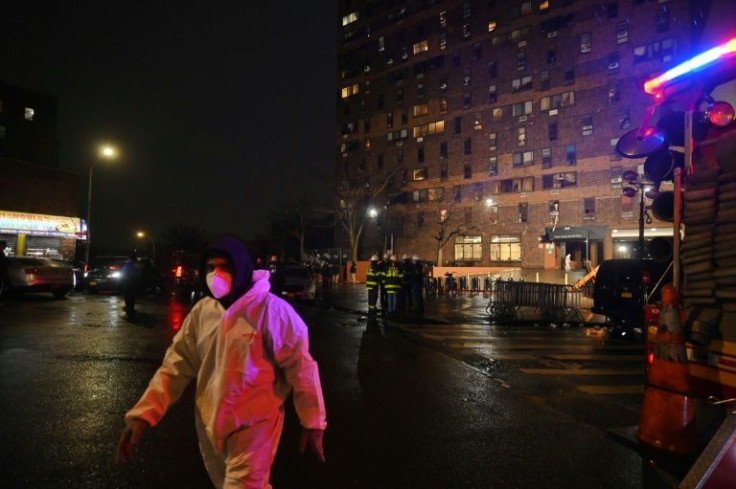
(492, 96)
(492, 141)
(421, 47)
(443, 106)
(420, 174)
(505, 248)
(588, 126)
(544, 5)
(346, 92)
(443, 18)
(589, 209)
(622, 32)
(493, 166)
(586, 42)
(492, 25)
(546, 158)
(523, 212)
(478, 125)
(29, 113)
(468, 248)
(466, 31)
(525, 158)
(571, 155)
(350, 18)
(521, 136)
(420, 110)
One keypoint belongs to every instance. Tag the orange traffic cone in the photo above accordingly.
(667, 420)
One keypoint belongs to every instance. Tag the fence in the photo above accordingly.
(553, 302)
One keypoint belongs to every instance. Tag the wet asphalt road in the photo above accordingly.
(400, 414)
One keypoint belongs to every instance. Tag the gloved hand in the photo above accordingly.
(313, 440)
(130, 437)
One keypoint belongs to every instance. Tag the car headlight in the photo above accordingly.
(116, 275)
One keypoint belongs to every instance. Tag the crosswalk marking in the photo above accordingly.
(611, 389)
(581, 371)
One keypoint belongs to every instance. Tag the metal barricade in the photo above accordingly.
(553, 302)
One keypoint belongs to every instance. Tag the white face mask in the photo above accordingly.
(219, 283)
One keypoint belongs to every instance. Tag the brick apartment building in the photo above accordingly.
(38, 200)
(499, 120)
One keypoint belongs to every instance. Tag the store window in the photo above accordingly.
(505, 248)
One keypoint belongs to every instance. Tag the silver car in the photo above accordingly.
(38, 274)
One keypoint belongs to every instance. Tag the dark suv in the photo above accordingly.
(105, 274)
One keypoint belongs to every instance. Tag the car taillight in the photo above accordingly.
(178, 271)
(646, 277)
(33, 271)
(113, 267)
(86, 267)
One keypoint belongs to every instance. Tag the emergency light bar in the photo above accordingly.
(655, 86)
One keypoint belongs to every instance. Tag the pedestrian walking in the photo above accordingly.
(353, 270)
(247, 350)
(132, 273)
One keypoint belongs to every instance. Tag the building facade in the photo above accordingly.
(496, 123)
(38, 200)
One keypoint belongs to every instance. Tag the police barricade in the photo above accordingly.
(551, 302)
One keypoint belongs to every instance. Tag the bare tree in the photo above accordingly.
(353, 198)
(292, 219)
(450, 223)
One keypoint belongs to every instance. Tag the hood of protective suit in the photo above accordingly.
(234, 250)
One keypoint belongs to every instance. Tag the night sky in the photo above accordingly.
(219, 112)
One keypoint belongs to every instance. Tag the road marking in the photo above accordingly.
(581, 371)
(611, 389)
(611, 358)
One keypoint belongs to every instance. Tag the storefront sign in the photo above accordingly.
(39, 224)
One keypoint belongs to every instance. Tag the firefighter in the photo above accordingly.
(372, 283)
(394, 277)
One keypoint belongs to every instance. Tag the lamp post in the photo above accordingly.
(106, 152)
(141, 235)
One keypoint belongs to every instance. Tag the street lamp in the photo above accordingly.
(106, 152)
(142, 235)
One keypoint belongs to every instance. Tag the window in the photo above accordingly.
(443, 172)
(467, 171)
(546, 157)
(586, 42)
(614, 94)
(367, 144)
(456, 61)
(421, 47)
(420, 155)
(29, 113)
(379, 162)
(443, 85)
(587, 126)
(477, 52)
(420, 195)
(420, 219)
(559, 180)
(492, 141)
(397, 135)
(458, 125)
(467, 100)
(498, 113)
(544, 80)
(615, 155)
(552, 131)
(627, 207)
(660, 50)
(616, 177)
(443, 106)
(420, 174)
(513, 185)
(543, 5)
(571, 155)
(443, 18)
(443, 40)
(492, 213)
(663, 19)
(399, 97)
(493, 166)
(569, 76)
(622, 32)
(466, 10)
(521, 136)
(466, 77)
(443, 149)
(551, 56)
(612, 10)
(492, 25)
(468, 146)
(492, 97)
(420, 90)
(420, 110)
(505, 248)
(350, 18)
(589, 209)
(404, 117)
(492, 69)
(435, 194)
(389, 119)
(521, 84)
(425, 129)
(557, 101)
(613, 62)
(351, 90)
(468, 248)
(522, 108)
(525, 158)
(468, 215)
(521, 61)
(523, 212)
(381, 44)
(478, 124)
(457, 193)
(525, 8)
(466, 31)
(478, 190)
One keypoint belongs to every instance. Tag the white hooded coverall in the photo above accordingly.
(246, 359)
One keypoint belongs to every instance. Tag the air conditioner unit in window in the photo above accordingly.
(522, 118)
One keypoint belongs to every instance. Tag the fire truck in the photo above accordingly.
(687, 429)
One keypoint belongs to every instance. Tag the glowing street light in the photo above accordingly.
(106, 152)
(142, 235)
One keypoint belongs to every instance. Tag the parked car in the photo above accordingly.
(183, 278)
(105, 274)
(39, 274)
(299, 282)
(619, 292)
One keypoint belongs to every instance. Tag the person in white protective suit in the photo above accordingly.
(248, 350)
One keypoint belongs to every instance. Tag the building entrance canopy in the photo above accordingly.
(565, 233)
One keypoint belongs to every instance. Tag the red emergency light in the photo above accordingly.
(655, 86)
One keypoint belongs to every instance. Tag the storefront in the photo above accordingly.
(582, 243)
(40, 234)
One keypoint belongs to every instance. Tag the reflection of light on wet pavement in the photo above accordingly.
(176, 314)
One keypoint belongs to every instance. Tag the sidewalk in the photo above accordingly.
(469, 307)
